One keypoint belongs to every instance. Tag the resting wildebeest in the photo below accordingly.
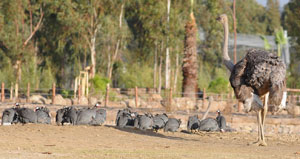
(172, 125)
(125, 118)
(66, 115)
(91, 116)
(9, 116)
(144, 122)
(193, 123)
(43, 115)
(159, 121)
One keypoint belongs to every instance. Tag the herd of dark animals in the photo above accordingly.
(125, 118)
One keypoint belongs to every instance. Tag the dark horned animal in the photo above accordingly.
(258, 74)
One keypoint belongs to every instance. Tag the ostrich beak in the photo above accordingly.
(218, 19)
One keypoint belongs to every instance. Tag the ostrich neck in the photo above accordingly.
(225, 45)
(207, 110)
(226, 57)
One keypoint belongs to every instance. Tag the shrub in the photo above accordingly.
(99, 83)
(219, 85)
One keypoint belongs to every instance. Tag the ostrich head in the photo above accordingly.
(250, 100)
(222, 18)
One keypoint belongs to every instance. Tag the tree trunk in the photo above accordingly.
(155, 66)
(160, 68)
(85, 57)
(117, 45)
(167, 70)
(168, 62)
(176, 72)
(109, 61)
(113, 59)
(190, 65)
(159, 74)
(37, 81)
(93, 54)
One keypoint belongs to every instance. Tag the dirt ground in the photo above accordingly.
(51, 141)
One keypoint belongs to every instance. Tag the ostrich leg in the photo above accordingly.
(264, 114)
(261, 117)
(259, 124)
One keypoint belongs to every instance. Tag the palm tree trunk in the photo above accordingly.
(190, 65)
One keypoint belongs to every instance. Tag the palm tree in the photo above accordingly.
(190, 66)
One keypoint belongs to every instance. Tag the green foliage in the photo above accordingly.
(291, 21)
(135, 75)
(99, 83)
(219, 85)
(47, 77)
(280, 40)
(211, 46)
(208, 74)
(266, 42)
(273, 16)
(7, 75)
(61, 46)
(66, 93)
(250, 17)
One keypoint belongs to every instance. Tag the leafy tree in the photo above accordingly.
(250, 18)
(291, 21)
(273, 16)
(20, 22)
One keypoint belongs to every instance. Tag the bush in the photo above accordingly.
(99, 83)
(219, 85)
(135, 75)
(66, 93)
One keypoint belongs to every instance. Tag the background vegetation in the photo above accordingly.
(129, 36)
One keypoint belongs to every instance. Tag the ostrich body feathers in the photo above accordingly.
(259, 72)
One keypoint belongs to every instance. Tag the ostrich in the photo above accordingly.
(258, 74)
(203, 124)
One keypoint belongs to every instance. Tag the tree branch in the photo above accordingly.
(35, 28)
(88, 41)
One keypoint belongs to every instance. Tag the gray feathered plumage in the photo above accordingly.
(259, 72)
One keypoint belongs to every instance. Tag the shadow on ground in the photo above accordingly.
(151, 133)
